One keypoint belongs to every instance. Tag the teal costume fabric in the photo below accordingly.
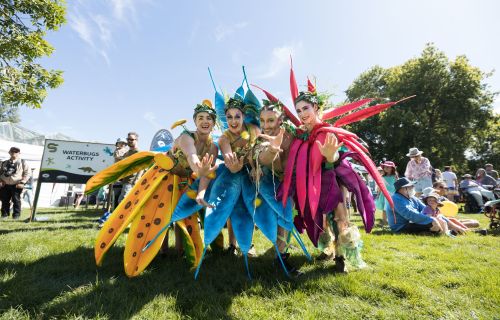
(389, 184)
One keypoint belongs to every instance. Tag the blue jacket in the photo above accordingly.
(406, 211)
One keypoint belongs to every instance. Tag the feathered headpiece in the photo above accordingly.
(244, 99)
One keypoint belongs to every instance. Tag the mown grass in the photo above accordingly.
(47, 270)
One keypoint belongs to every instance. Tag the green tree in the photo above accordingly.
(23, 26)
(451, 113)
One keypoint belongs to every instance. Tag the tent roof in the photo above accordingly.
(16, 133)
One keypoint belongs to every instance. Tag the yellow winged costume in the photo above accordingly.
(148, 207)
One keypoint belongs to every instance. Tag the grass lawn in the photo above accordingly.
(47, 270)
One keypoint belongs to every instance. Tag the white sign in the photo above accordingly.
(74, 161)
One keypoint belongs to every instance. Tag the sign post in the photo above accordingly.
(71, 162)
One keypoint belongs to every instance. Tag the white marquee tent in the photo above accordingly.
(31, 145)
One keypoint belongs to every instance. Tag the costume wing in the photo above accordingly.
(119, 170)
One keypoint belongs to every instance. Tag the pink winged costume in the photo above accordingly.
(314, 184)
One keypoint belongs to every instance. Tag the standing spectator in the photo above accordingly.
(450, 178)
(126, 183)
(407, 216)
(419, 170)
(390, 175)
(121, 149)
(438, 175)
(27, 193)
(490, 171)
(116, 188)
(129, 181)
(14, 173)
(485, 180)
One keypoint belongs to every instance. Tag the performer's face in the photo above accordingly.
(234, 119)
(270, 122)
(204, 123)
(307, 112)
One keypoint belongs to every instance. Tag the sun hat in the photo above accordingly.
(403, 182)
(414, 152)
(431, 192)
(388, 164)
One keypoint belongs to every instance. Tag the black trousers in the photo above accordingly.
(414, 228)
(10, 193)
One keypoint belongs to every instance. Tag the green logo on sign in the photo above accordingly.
(52, 147)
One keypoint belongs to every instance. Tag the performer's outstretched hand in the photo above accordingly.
(233, 163)
(330, 147)
(205, 167)
(274, 141)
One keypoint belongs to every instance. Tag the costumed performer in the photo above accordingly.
(149, 205)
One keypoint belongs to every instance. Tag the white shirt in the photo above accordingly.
(449, 177)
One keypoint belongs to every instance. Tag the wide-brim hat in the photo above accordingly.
(388, 164)
(467, 176)
(414, 152)
(403, 182)
(431, 192)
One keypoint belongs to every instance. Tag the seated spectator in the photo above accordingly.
(432, 200)
(490, 171)
(469, 186)
(485, 180)
(440, 189)
(407, 216)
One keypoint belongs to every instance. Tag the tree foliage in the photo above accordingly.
(23, 26)
(450, 117)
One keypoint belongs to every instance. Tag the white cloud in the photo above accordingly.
(123, 8)
(223, 31)
(95, 24)
(104, 28)
(279, 60)
(151, 118)
(194, 32)
(82, 28)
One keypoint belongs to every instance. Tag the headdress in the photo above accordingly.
(272, 105)
(244, 99)
(205, 106)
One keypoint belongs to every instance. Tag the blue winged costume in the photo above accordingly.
(235, 196)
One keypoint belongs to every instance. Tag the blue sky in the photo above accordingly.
(140, 65)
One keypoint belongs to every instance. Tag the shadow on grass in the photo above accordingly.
(70, 284)
(43, 228)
